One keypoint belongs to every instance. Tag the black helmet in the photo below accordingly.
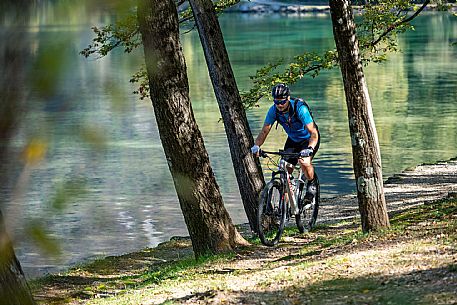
(280, 91)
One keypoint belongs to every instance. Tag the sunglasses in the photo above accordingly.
(280, 102)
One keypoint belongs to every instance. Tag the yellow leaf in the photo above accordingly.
(34, 152)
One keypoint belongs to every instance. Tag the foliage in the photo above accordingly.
(442, 5)
(378, 26)
(36, 230)
(377, 30)
(306, 63)
(377, 19)
(219, 7)
(141, 77)
(124, 33)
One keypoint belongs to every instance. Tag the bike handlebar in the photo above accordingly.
(264, 153)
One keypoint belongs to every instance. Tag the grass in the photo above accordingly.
(413, 262)
(363, 291)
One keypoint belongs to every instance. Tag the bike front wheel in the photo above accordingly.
(307, 217)
(271, 215)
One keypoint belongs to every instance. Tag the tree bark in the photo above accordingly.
(13, 285)
(365, 146)
(248, 171)
(210, 227)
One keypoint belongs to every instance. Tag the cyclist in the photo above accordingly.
(303, 135)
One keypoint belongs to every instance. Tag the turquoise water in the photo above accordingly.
(129, 202)
(413, 94)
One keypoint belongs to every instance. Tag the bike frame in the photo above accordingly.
(292, 194)
(273, 212)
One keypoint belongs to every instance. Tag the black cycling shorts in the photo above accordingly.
(294, 147)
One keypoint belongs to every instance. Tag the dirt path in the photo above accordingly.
(373, 261)
(410, 269)
(425, 183)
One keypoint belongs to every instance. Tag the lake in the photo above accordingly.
(97, 131)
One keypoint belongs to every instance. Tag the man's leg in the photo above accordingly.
(290, 147)
(308, 170)
(307, 167)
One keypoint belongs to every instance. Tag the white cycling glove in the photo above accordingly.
(255, 149)
(307, 152)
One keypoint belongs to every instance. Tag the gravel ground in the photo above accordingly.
(425, 183)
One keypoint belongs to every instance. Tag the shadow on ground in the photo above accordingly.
(431, 286)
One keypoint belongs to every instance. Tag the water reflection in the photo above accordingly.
(130, 201)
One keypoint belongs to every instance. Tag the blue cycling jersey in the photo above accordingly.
(293, 122)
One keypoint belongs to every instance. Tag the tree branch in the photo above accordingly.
(396, 24)
(182, 20)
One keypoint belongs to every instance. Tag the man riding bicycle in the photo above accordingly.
(303, 135)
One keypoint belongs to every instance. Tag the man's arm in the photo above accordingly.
(314, 134)
(263, 135)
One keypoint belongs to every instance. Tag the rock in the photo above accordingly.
(262, 7)
(452, 195)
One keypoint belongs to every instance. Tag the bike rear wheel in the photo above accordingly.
(306, 219)
(271, 215)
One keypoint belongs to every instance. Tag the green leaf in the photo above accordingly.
(36, 231)
(67, 191)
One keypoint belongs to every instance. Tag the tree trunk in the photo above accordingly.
(13, 285)
(365, 147)
(247, 168)
(210, 227)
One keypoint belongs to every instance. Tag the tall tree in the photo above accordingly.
(365, 146)
(378, 27)
(210, 227)
(248, 171)
(13, 285)
(380, 24)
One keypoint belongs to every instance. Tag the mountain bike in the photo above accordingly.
(282, 197)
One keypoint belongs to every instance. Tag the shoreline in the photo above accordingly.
(402, 191)
(332, 210)
(420, 245)
(259, 7)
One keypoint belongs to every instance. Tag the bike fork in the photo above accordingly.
(291, 196)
